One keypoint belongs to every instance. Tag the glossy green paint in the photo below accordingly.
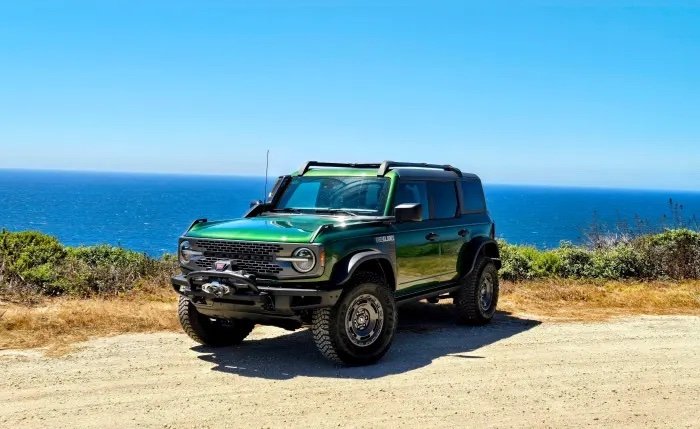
(418, 262)
(291, 228)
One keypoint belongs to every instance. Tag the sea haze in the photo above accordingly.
(147, 212)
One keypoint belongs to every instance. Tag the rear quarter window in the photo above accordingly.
(443, 196)
(473, 196)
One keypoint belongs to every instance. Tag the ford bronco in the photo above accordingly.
(337, 246)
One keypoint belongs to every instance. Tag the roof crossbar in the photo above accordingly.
(383, 168)
(388, 165)
(304, 168)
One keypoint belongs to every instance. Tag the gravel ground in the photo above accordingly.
(516, 372)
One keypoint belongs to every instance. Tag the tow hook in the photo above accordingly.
(217, 289)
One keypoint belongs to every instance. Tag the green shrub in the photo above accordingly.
(672, 254)
(516, 266)
(576, 262)
(104, 270)
(29, 260)
(31, 263)
(622, 261)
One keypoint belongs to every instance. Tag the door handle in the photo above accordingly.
(431, 236)
(462, 232)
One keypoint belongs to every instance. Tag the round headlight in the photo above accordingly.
(186, 253)
(305, 260)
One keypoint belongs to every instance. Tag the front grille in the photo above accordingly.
(255, 258)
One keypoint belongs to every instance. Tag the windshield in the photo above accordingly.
(345, 195)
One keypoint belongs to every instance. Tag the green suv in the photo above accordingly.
(337, 247)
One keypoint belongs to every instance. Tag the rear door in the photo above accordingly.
(448, 227)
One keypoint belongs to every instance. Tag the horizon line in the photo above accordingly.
(233, 175)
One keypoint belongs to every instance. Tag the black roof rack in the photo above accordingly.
(304, 168)
(388, 165)
(383, 168)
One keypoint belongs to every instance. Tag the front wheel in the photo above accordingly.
(476, 300)
(208, 331)
(359, 329)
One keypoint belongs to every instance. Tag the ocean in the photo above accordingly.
(147, 212)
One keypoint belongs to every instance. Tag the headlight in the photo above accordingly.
(187, 254)
(303, 260)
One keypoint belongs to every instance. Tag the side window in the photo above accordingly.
(473, 196)
(443, 195)
(413, 192)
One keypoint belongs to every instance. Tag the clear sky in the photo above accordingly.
(573, 93)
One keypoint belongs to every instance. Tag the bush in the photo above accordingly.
(105, 270)
(35, 263)
(28, 260)
(576, 262)
(516, 265)
(672, 254)
(526, 262)
(621, 261)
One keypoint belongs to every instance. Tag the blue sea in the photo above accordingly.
(148, 212)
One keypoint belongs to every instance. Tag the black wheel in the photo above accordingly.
(359, 329)
(476, 300)
(208, 331)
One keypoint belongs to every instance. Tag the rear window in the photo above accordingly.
(443, 196)
(473, 196)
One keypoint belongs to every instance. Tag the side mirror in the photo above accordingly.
(408, 212)
(255, 203)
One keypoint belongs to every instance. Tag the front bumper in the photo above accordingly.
(248, 299)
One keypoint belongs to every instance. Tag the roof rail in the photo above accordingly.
(383, 168)
(304, 168)
(388, 165)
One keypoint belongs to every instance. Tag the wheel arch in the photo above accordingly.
(477, 248)
(371, 260)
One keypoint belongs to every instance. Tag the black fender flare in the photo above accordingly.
(346, 267)
(479, 247)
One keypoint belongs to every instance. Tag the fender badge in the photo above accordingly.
(385, 239)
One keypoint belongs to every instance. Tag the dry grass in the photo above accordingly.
(594, 300)
(60, 322)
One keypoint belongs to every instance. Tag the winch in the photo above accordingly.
(218, 289)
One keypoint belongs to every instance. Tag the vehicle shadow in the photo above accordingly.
(425, 332)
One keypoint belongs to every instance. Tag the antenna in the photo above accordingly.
(267, 166)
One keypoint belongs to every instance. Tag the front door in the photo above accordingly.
(416, 252)
(426, 252)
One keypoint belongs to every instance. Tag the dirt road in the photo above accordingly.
(642, 371)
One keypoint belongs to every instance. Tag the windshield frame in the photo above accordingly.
(280, 206)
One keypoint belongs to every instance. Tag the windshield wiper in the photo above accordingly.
(336, 211)
(286, 210)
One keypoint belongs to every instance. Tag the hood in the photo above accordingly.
(280, 228)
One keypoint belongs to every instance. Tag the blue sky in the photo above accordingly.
(562, 93)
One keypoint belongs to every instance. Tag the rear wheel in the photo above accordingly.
(359, 329)
(476, 300)
(208, 331)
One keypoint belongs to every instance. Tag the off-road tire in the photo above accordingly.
(208, 331)
(329, 330)
(467, 297)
